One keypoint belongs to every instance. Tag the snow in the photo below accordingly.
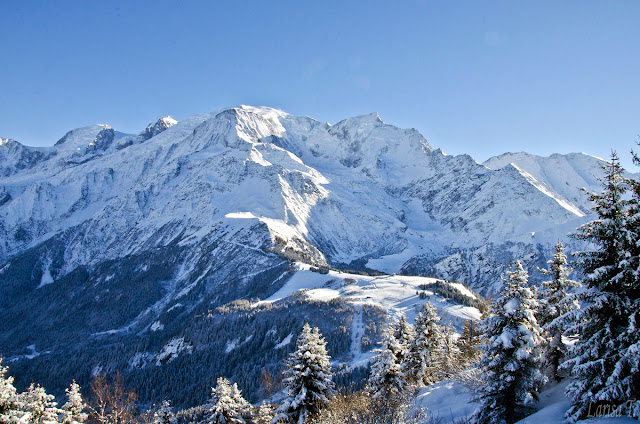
(358, 189)
(240, 215)
(448, 400)
(562, 202)
(172, 349)
(46, 276)
(231, 345)
(511, 306)
(236, 343)
(559, 176)
(33, 353)
(157, 326)
(452, 401)
(605, 420)
(323, 295)
(464, 290)
(394, 293)
(169, 121)
(302, 189)
(284, 342)
(357, 331)
(553, 404)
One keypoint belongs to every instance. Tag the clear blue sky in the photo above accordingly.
(477, 77)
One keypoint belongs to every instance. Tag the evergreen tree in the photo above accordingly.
(72, 411)
(227, 406)
(422, 360)
(164, 414)
(386, 375)
(307, 378)
(9, 402)
(509, 361)
(554, 301)
(604, 360)
(627, 373)
(404, 334)
(263, 413)
(39, 406)
(449, 363)
(468, 343)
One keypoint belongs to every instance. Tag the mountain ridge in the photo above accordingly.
(117, 248)
(394, 164)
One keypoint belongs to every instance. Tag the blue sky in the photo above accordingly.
(477, 77)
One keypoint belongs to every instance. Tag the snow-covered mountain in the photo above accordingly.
(107, 234)
(561, 176)
(358, 190)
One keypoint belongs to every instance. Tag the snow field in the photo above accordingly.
(394, 293)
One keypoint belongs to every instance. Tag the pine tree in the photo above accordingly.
(509, 361)
(554, 301)
(39, 406)
(227, 406)
(449, 363)
(627, 373)
(386, 375)
(308, 378)
(604, 360)
(263, 413)
(9, 402)
(468, 343)
(72, 411)
(404, 334)
(422, 360)
(164, 414)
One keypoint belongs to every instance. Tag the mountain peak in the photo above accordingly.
(81, 135)
(368, 121)
(159, 126)
(7, 141)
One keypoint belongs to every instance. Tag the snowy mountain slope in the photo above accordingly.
(115, 248)
(396, 294)
(15, 157)
(361, 189)
(562, 177)
(452, 401)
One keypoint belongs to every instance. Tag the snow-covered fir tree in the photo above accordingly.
(263, 413)
(510, 364)
(604, 360)
(39, 406)
(10, 405)
(404, 334)
(449, 363)
(468, 343)
(227, 406)
(308, 378)
(164, 414)
(628, 367)
(73, 409)
(555, 301)
(386, 375)
(423, 358)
